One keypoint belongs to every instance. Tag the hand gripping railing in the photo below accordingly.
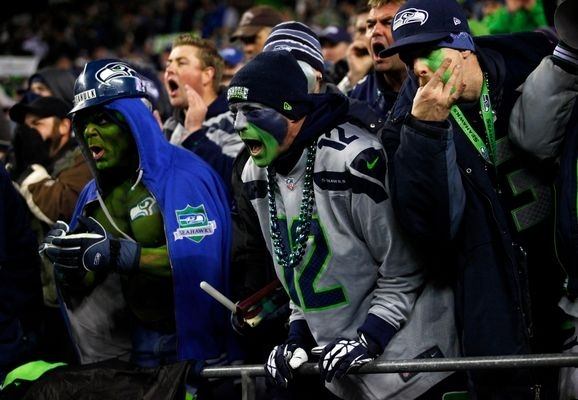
(417, 365)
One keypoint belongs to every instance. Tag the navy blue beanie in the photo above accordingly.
(275, 80)
(299, 40)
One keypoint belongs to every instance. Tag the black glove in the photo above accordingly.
(290, 355)
(342, 355)
(93, 250)
(282, 360)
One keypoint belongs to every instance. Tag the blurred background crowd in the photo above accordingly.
(67, 33)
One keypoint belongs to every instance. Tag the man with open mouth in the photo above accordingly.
(380, 86)
(150, 226)
(334, 240)
(201, 121)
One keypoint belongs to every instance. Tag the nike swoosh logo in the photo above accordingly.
(371, 165)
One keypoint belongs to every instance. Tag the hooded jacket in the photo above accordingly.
(59, 81)
(553, 138)
(186, 189)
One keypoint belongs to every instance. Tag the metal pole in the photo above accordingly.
(418, 365)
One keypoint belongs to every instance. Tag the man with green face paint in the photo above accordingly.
(147, 230)
(480, 210)
(101, 132)
(316, 179)
(434, 61)
(262, 130)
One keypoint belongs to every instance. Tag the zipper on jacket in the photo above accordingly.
(522, 308)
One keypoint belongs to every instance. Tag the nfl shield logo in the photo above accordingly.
(290, 182)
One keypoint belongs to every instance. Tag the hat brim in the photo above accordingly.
(18, 112)
(412, 42)
(245, 31)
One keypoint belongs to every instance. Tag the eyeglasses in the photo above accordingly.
(248, 39)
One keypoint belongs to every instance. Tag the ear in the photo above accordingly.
(208, 75)
(65, 127)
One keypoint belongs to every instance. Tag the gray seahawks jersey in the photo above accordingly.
(356, 261)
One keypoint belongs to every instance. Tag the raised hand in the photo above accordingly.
(358, 60)
(197, 111)
(435, 98)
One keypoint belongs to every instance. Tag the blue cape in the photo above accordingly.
(195, 210)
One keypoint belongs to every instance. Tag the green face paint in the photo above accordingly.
(434, 61)
(108, 143)
(264, 148)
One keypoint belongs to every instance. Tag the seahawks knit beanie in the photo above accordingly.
(275, 80)
(298, 39)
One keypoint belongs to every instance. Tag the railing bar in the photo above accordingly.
(418, 365)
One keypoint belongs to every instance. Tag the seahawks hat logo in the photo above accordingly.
(114, 70)
(410, 16)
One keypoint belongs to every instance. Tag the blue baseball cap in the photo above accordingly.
(231, 55)
(420, 22)
(333, 35)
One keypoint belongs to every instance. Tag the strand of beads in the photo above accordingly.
(305, 213)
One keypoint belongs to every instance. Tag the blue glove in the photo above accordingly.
(93, 250)
(59, 229)
(70, 278)
(342, 355)
(290, 355)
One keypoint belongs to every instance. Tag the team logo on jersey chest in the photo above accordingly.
(290, 182)
(194, 223)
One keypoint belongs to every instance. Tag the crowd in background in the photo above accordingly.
(68, 33)
(346, 61)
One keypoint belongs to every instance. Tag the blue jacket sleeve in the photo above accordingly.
(427, 188)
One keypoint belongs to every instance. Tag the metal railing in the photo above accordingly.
(416, 365)
(249, 372)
